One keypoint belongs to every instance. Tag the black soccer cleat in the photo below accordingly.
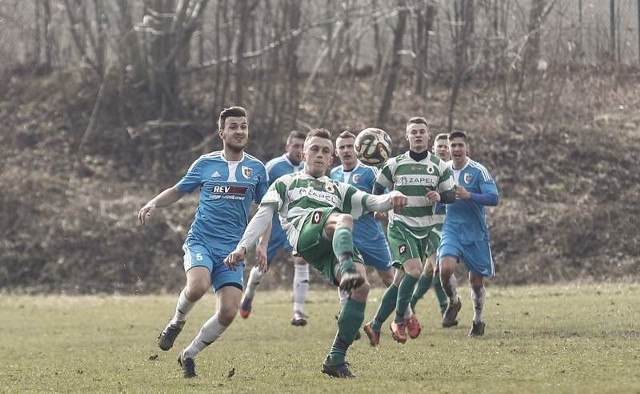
(340, 371)
(168, 336)
(450, 315)
(188, 366)
(477, 329)
(299, 319)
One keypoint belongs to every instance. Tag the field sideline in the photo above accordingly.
(570, 338)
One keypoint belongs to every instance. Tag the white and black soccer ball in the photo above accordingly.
(373, 146)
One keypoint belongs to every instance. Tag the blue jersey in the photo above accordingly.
(465, 219)
(276, 168)
(367, 231)
(362, 177)
(227, 189)
(280, 166)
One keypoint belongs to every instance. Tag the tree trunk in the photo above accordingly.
(612, 30)
(396, 63)
(463, 16)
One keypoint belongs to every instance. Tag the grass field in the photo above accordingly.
(573, 338)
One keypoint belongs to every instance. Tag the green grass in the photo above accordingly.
(574, 338)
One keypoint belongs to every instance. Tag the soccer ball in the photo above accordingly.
(373, 146)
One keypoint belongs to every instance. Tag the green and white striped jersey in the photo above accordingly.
(414, 179)
(297, 195)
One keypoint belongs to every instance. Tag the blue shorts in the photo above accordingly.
(197, 254)
(375, 252)
(278, 240)
(476, 255)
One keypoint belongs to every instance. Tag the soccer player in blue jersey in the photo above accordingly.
(317, 213)
(368, 236)
(229, 181)
(288, 163)
(465, 232)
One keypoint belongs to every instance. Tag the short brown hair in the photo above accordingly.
(442, 136)
(320, 133)
(459, 134)
(347, 134)
(235, 111)
(418, 120)
(296, 134)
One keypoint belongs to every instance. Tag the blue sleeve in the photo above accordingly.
(262, 186)
(489, 199)
(192, 179)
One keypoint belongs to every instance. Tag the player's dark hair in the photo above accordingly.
(418, 120)
(459, 134)
(347, 134)
(296, 134)
(235, 111)
(442, 136)
(320, 133)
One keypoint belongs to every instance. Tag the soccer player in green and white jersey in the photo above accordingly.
(429, 276)
(425, 180)
(317, 214)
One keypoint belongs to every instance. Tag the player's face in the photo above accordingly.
(441, 149)
(346, 152)
(318, 155)
(418, 137)
(235, 134)
(459, 151)
(294, 150)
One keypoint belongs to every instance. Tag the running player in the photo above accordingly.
(229, 181)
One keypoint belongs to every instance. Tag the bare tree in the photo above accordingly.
(170, 28)
(88, 34)
(395, 69)
(462, 29)
(612, 30)
(638, 26)
(424, 29)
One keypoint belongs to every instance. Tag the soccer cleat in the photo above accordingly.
(168, 336)
(398, 332)
(245, 307)
(188, 366)
(337, 371)
(357, 336)
(449, 317)
(413, 326)
(351, 280)
(477, 329)
(373, 335)
(299, 319)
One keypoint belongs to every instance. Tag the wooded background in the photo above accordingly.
(105, 102)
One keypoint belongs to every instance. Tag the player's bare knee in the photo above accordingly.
(195, 290)
(226, 314)
(345, 220)
(361, 292)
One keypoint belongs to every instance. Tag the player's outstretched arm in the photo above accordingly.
(254, 230)
(164, 199)
(381, 203)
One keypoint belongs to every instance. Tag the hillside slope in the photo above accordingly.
(567, 170)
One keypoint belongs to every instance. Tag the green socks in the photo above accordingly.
(405, 290)
(342, 244)
(387, 305)
(349, 322)
(421, 289)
